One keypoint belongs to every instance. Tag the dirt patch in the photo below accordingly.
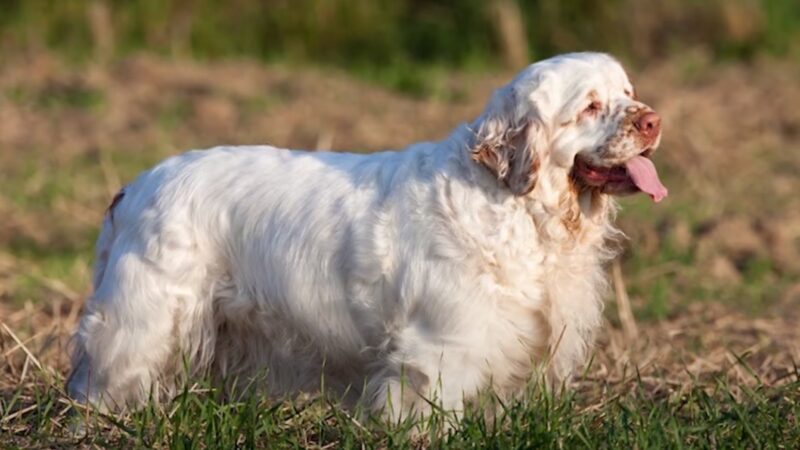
(204, 105)
(707, 345)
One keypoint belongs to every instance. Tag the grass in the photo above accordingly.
(629, 415)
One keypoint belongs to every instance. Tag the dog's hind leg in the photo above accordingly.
(148, 306)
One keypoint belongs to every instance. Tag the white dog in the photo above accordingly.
(436, 272)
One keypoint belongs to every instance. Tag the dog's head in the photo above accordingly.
(577, 112)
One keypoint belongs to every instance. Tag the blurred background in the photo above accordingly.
(94, 91)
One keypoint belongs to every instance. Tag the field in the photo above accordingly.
(707, 359)
(700, 347)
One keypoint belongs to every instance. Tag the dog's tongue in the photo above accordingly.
(644, 175)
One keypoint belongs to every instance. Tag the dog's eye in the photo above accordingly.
(593, 107)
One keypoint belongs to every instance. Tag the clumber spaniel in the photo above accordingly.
(437, 271)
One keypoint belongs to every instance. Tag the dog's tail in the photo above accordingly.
(105, 241)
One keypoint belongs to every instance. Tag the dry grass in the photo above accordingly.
(709, 287)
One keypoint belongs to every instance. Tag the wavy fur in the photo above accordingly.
(436, 271)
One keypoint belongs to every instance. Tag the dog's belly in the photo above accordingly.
(296, 351)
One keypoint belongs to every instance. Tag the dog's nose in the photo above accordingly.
(648, 124)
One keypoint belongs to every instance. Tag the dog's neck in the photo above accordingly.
(568, 215)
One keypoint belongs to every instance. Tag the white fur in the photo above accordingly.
(386, 276)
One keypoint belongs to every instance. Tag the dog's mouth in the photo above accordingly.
(638, 174)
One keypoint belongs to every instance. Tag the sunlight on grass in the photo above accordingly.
(715, 415)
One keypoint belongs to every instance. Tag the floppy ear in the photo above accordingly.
(504, 142)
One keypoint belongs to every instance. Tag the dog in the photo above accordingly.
(393, 278)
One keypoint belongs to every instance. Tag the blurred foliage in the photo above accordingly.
(371, 35)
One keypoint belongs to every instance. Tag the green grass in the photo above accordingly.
(59, 96)
(715, 415)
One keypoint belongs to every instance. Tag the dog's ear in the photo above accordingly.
(504, 141)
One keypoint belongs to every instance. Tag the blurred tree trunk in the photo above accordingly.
(507, 18)
(99, 16)
(179, 30)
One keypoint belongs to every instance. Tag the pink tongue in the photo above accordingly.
(644, 175)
